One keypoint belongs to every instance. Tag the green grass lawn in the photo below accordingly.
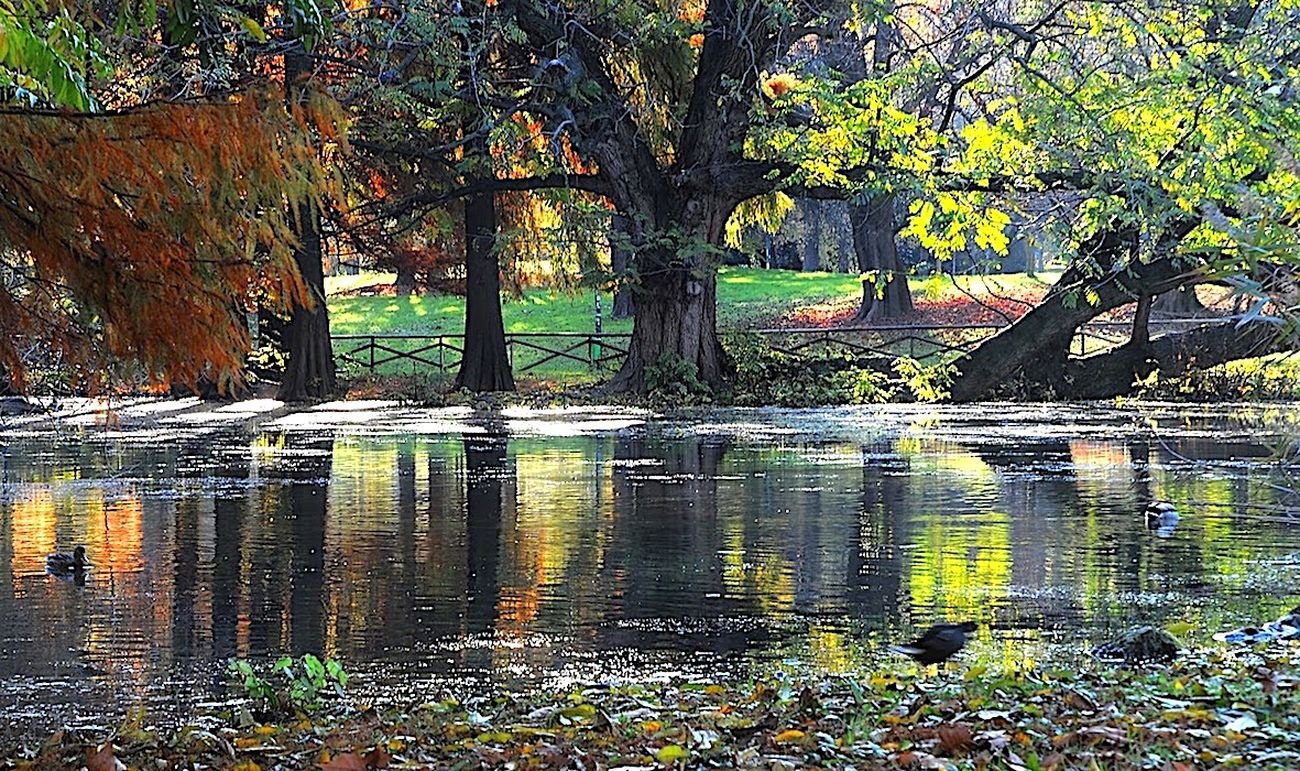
(746, 297)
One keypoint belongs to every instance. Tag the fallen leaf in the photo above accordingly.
(954, 738)
(348, 761)
(671, 753)
(789, 736)
(104, 760)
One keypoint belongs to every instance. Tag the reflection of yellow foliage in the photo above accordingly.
(770, 581)
(32, 532)
(830, 650)
(961, 564)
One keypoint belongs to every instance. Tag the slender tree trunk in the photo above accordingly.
(309, 356)
(620, 255)
(812, 234)
(1179, 303)
(885, 291)
(484, 365)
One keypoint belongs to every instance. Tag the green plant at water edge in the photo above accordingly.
(926, 384)
(764, 375)
(673, 380)
(292, 686)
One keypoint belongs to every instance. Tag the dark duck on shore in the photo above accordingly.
(938, 643)
(64, 563)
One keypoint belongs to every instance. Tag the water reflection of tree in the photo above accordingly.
(485, 467)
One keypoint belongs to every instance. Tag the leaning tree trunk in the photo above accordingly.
(1116, 372)
(309, 356)
(620, 255)
(885, 292)
(484, 365)
(1035, 348)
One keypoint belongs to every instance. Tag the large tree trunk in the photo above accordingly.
(885, 292)
(676, 293)
(484, 365)
(1116, 372)
(620, 255)
(1036, 347)
(309, 356)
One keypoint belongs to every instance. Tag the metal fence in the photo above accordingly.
(566, 352)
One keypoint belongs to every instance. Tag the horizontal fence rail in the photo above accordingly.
(565, 352)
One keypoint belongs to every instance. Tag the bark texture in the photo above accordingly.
(1115, 372)
(484, 365)
(309, 356)
(885, 293)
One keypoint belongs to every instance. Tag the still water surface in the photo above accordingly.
(434, 550)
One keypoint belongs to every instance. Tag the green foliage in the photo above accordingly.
(1266, 378)
(766, 376)
(46, 55)
(301, 686)
(926, 383)
(673, 381)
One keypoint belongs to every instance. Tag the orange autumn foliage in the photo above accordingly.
(138, 238)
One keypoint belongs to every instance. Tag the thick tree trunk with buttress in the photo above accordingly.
(309, 356)
(885, 293)
(676, 294)
(484, 365)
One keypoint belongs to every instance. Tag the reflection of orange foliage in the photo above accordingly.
(517, 608)
(115, 535)
(32, 533)
(1104, 454)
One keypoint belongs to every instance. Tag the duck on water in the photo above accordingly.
(67, 563)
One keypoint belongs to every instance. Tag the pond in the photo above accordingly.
(435, 550)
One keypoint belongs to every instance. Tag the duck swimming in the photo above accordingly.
(1162, 512)
(938, 643)
(63, 563)
(1162, 517)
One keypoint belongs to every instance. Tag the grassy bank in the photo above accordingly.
(1214, 708)
(747, 298)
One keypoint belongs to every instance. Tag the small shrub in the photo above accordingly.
(766, 376)
(301, 686)
(926, 383)
(674, 381)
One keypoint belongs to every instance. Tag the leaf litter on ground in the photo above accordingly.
(1211, 708)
